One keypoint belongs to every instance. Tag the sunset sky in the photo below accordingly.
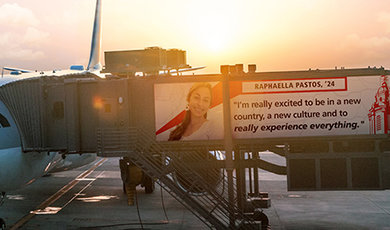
(276, 35)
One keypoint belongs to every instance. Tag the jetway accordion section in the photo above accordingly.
(23, 99)
(63, 113)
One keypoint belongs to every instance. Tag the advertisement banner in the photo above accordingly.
(309, 107)
(274, 108)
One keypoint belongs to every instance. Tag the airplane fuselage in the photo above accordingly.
(17, 168)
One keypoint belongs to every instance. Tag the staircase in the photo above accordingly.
(191, 176)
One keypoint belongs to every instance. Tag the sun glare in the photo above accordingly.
(212, 26)
(212, 34)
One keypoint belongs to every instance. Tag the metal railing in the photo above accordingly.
(192, 176)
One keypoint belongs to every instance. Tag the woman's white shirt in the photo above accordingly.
(208, 131)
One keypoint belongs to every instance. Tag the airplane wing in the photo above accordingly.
(186, 69)
(17, 69)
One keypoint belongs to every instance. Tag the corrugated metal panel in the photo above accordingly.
(23, 98)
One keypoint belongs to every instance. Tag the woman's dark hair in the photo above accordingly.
(177, 133)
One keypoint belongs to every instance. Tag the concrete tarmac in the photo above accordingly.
(97, 201)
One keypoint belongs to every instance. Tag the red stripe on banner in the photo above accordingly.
(217, 95)
(235, 88)
(172, 123)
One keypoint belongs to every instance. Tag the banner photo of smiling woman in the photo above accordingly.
(195, 125)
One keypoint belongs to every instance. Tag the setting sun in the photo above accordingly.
(213, 24)
(212, 34)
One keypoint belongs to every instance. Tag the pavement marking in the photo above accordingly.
(57, 195)
(96, 198)
(82, 190)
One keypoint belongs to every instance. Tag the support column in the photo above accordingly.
(228, 140)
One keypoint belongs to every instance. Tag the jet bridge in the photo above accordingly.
(62, 113)
(333, 132)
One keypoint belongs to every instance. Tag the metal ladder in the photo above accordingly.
(185, 174)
